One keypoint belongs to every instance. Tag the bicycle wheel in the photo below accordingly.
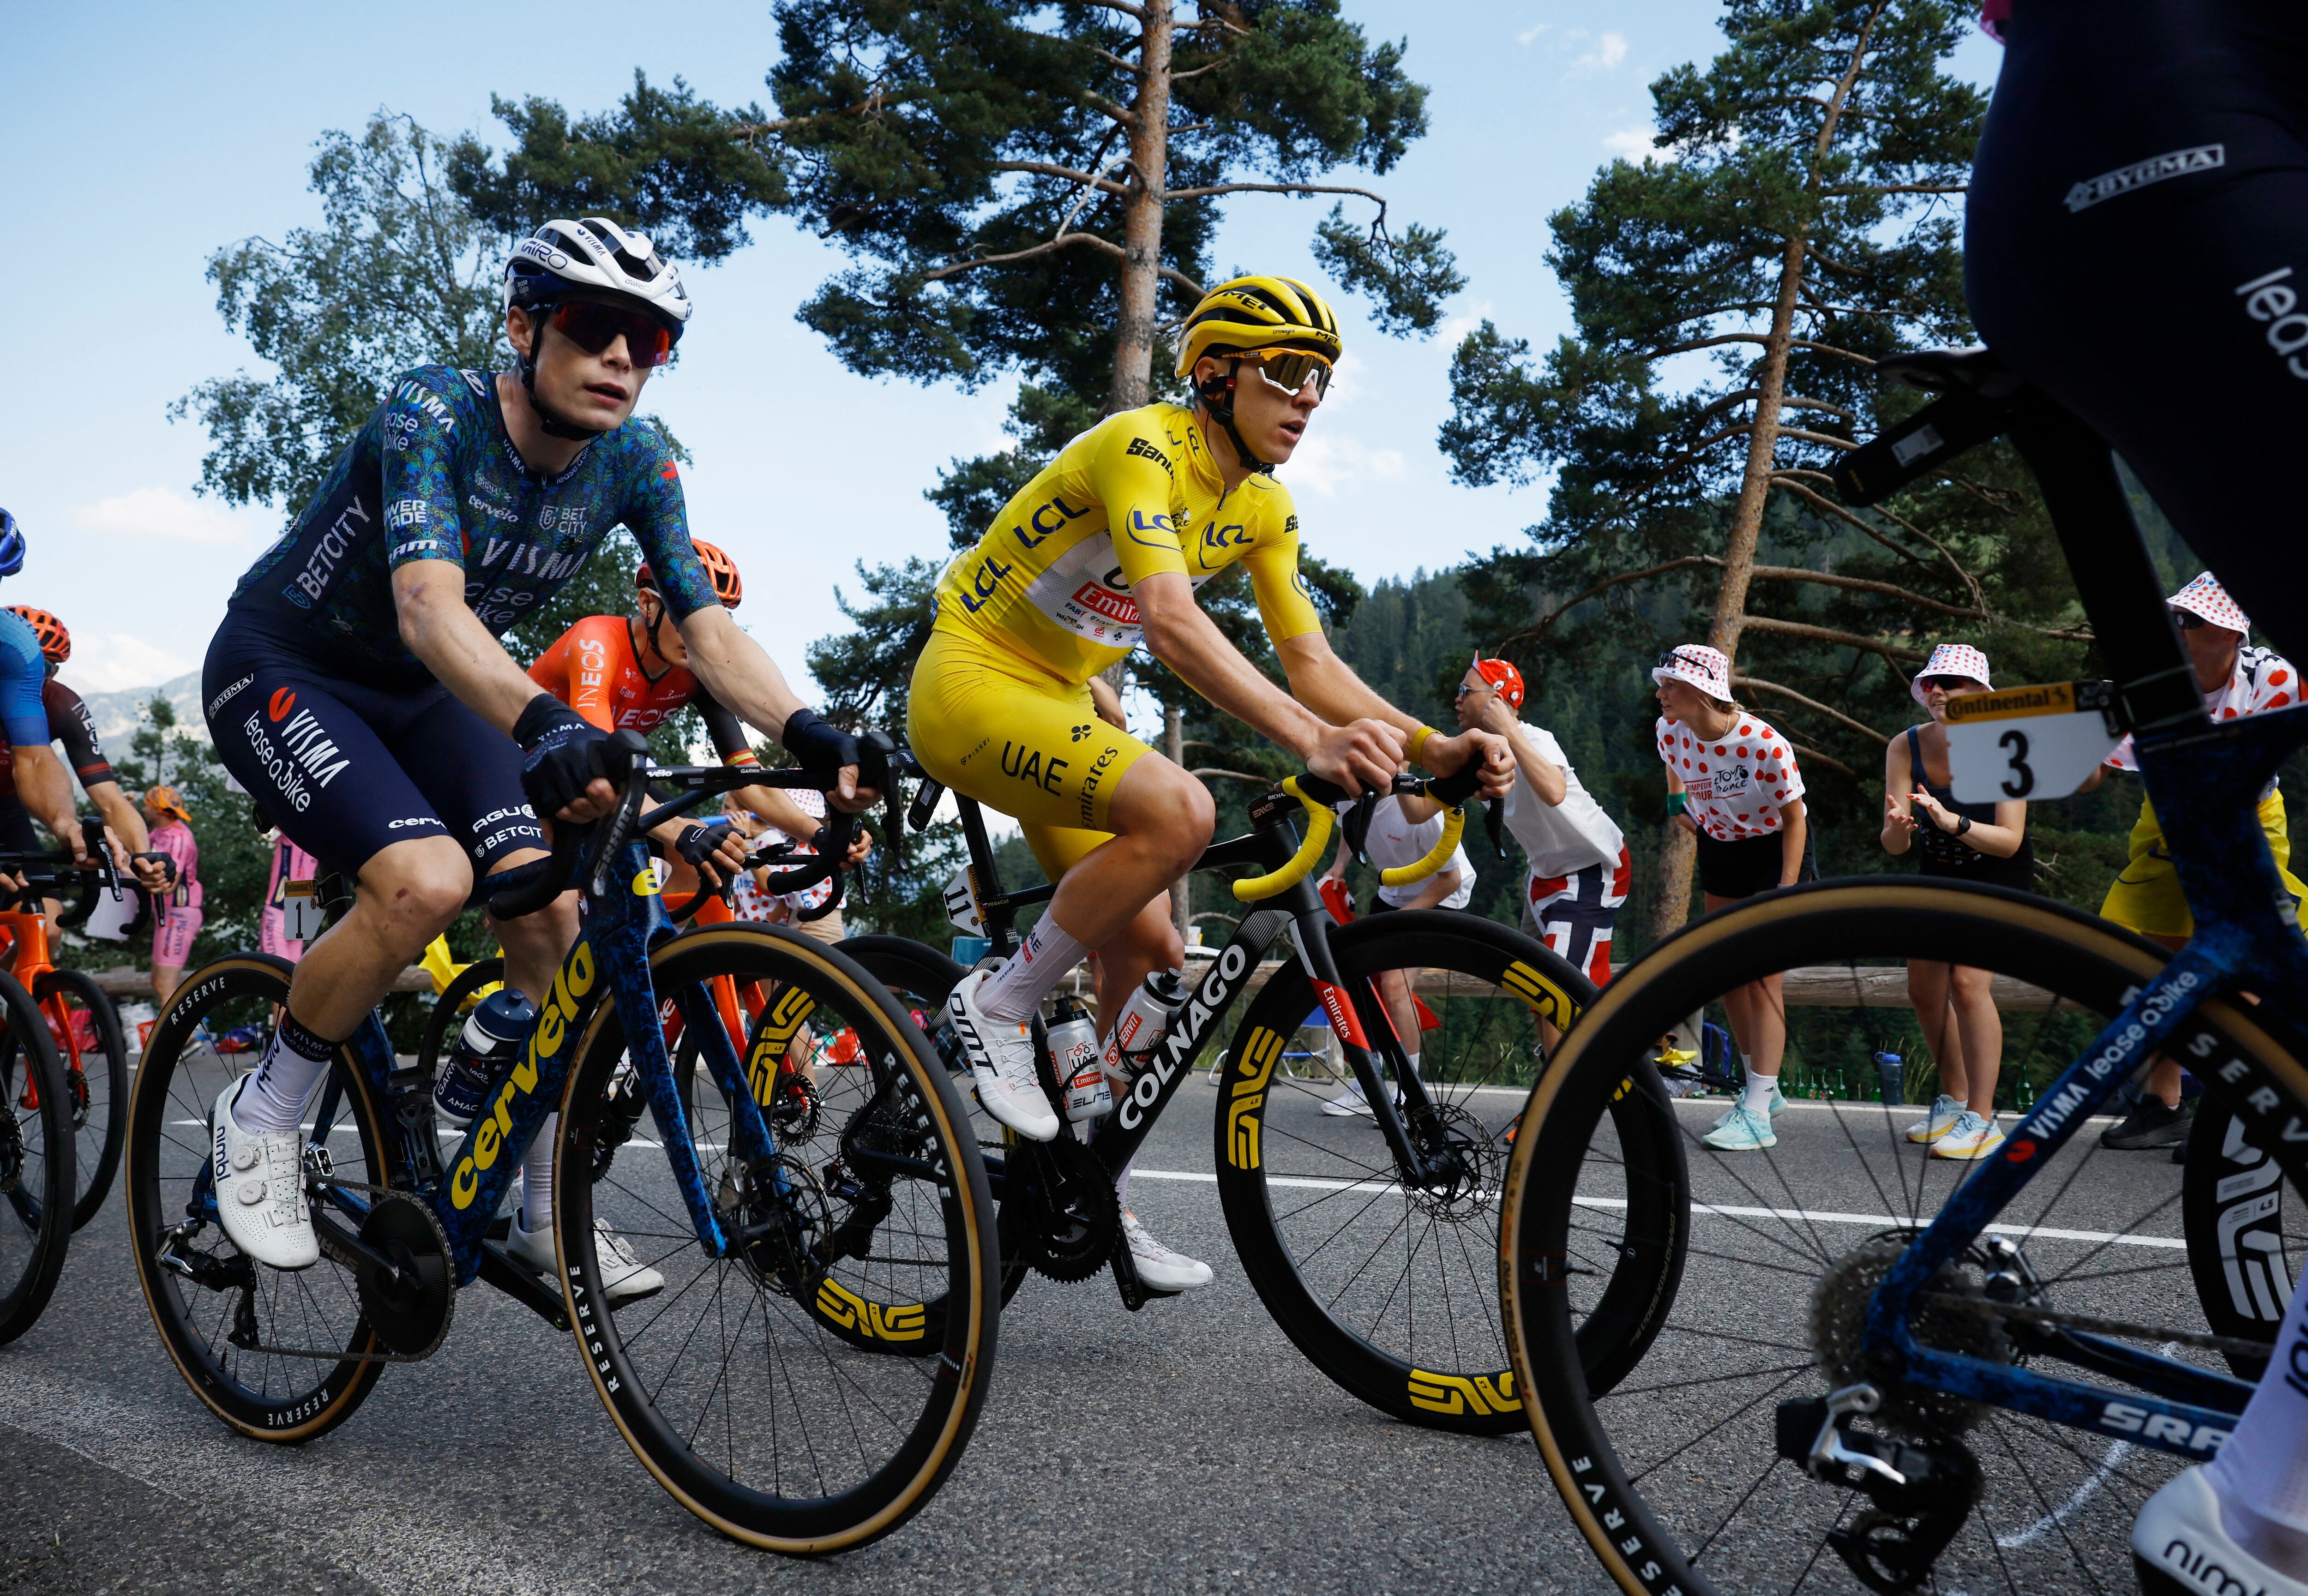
(1388, 1286)
(1676, 1475)
(280, 1355)
(752, 1386)
(450, 1007)
(36, 1163)
(921, 979)
(2240, 1232)
(85, 1023)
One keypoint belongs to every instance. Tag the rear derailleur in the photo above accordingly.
(1918, 1493)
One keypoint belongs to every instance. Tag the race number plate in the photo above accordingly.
(300, 911)
(2028, 741)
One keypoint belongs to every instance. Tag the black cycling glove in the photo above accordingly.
(817, 744)
(697, 843)
(564, 752)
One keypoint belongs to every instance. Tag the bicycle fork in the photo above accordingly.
(1356, 1013)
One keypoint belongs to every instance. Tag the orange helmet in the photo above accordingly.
(729, 587)
(56, 642)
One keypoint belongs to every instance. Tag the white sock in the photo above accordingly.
(1756, 1098)
(1411, 1060)
(294, 1062)
(2264, 1464)
(1017, 989)
(537, 1178)
(1121, 1184)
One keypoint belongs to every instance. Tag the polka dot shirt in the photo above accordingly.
(1737, 783)
(2264, 680)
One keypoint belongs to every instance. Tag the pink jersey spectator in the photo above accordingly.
(1735, 785)
(177, 912)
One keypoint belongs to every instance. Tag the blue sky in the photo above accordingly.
(138, 139)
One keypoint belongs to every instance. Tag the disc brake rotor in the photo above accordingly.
(1468, 1175)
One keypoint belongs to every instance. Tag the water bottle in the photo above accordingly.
(1890, 1075)
(1073, 1053)
(1144, 1021)
(498, 1024)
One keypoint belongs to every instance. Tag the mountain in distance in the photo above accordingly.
(118, 715)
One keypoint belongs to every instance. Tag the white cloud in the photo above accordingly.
(1632, 143)
(1610, 49)
(1386, 462)
(1454, 329)
(1527, 34)
(112, 661)
(164, 513)
(1329, 462)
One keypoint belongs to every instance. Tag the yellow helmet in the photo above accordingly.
(1259, 312)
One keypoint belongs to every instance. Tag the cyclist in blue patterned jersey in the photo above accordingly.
(358, 690)
(41, 785)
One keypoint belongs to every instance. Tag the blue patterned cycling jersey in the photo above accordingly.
(435, 476)
(22, 673)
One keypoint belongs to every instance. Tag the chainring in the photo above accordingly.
(1060, 1215)
(410, 1309)
(1838, 1334)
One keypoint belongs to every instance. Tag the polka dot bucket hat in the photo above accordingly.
(1703, 667)
(1951, 659)
(2206, 597)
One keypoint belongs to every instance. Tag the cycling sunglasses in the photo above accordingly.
(1287, 370)
(1950, 684)
(593, 327)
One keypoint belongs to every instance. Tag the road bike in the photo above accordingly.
(1368, 1238)
(1886, 1372)
(43, 1110)
(757, 1384)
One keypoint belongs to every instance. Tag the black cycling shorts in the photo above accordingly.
(1750, 865)
(346, 768)
(2136, 243)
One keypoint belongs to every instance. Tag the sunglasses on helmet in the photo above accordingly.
(593, 327)
(1289, 370)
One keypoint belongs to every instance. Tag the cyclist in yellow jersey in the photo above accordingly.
(1099, 553)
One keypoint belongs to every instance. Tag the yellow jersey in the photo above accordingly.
(1136, 494)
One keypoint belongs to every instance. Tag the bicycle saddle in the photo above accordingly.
(1976, 370)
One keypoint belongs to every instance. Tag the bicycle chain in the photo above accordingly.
(330, 1181)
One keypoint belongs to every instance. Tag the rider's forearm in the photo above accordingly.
(121, 815)
(1186, 640)
(737, 671)
(441, 630)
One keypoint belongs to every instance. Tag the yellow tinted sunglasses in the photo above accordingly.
(1289, 370)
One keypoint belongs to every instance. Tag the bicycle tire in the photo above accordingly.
(262, 1395)
(915, 970)
(1458, 1379)
(102, 1127)
(36, 1163)
(2236, 1221)
(1649, 1536)
(922, 1410)
(450, 1007)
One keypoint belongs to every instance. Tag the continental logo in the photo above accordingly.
(1249, 1097)
(1458, 1394)
(772, 1041)
(560, 1012)
(2058, 698)
(1545, 999)
(901, 1321)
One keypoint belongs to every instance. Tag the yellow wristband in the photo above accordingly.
(1418, 740)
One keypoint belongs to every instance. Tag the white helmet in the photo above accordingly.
(596, 255)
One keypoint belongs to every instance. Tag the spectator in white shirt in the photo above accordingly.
(1403, 832)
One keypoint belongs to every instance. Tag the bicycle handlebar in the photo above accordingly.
(42, 868)
(1316, 797)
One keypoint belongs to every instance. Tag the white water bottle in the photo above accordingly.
(1144, 1021)
(1073, 1053)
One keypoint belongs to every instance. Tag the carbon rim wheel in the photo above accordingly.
(36, 1163)
(85, 1023)
(1674, 1475)
(1389, 1288)
(743, 1383)
(201, 1290)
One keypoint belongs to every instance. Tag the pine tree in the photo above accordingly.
(1731, 295)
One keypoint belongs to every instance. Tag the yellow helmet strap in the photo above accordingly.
(1217, 398)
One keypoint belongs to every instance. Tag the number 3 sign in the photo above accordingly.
(2028, 741)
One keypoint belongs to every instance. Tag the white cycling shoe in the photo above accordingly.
(260, 1189)
(2179, 1543)
(624, 1278)
(1002, 1061)
(1350, 1103)
(1159, 1268)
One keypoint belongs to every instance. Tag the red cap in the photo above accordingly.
(1504, 678)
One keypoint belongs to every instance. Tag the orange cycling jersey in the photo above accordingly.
(592, 667)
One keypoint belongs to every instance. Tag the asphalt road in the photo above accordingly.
(1185, 1448)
